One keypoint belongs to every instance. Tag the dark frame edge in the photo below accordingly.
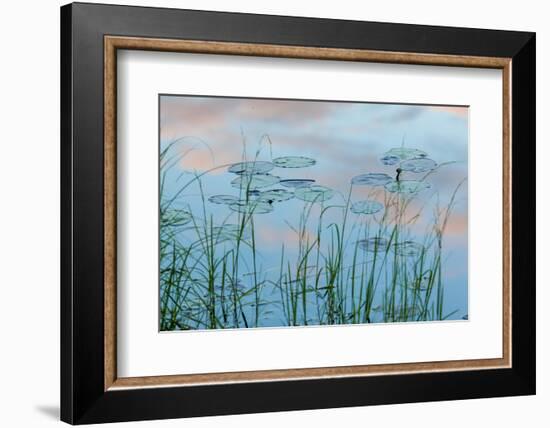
(66, 304)
(83, 402)
(524, 219)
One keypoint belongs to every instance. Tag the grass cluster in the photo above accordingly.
(358, 269)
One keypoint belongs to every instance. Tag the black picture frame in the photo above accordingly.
(83, 396)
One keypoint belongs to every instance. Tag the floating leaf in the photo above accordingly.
(389, 159)
(230, 287)
(176, 217)
(373, 245)
(418, 165)
(398, 154)
(408, 249)
(251, 167)
(366, 207)
(254, 194)
(251, 207)
(293, 162)
(401, 313)
(254, 181)
(371, 179)
(223, 199)
(406, 186)
(275, 195)
(228, 232)
(297, 182)
(314, 193)
(422, 282)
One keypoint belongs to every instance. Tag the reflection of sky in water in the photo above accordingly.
(345, 139)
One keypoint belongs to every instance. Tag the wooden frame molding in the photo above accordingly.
(113, 43)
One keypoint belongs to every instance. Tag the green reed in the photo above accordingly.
(202, 285)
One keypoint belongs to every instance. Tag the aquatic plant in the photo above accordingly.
(366, 207)
(368, 266)
(297, 182)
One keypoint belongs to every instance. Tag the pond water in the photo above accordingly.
(280, 234)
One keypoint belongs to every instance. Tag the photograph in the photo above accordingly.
(293, 213)
(282, 210)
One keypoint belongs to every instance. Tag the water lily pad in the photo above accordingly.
(228, 232)
(275, 195)
(251, 167)
(401, 313)
(294, 162)
(422, 282)
(408, 249)
(398, 154)
(373, 245)
(371, 179)
(314, 193)
(418, 165)
(389, 159)
(254, 194)
(223, 199)
(251, 207)
(232, 286)
(407, 186)
(254, 181)
(297, 182)
(366, 207)
(176, 217)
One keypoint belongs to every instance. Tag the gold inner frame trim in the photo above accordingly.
(113, 43)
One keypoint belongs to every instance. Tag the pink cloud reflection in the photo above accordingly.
(180, 115)
(461, 112)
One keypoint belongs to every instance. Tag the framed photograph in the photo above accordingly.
(266, 213)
